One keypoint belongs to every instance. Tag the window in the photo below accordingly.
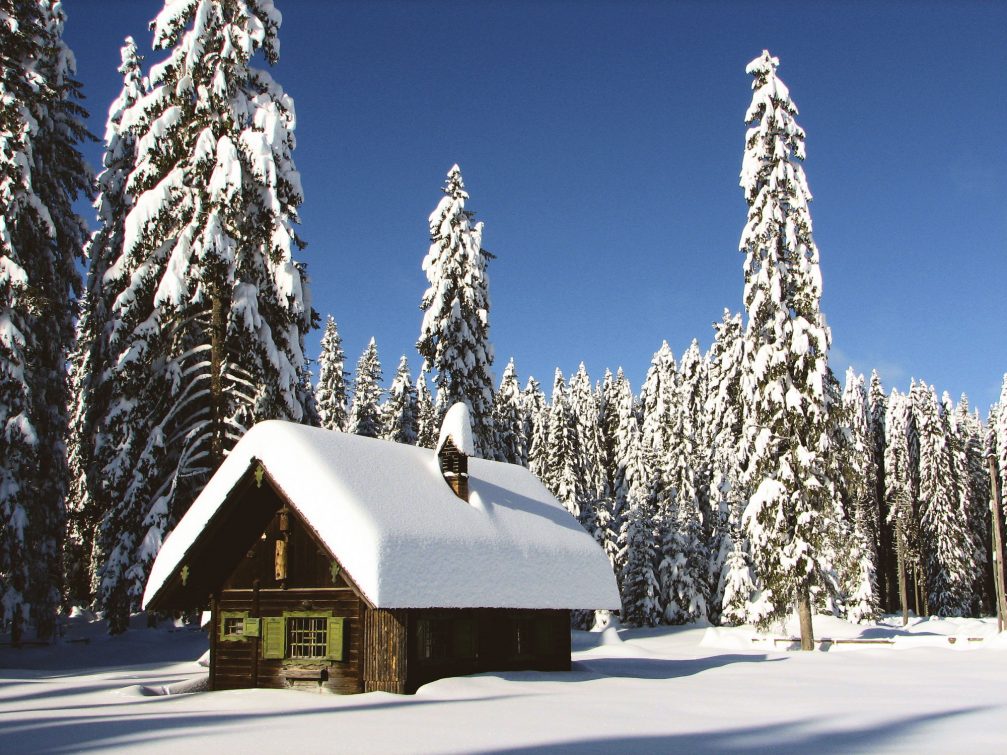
(307, 637)
(237, 626)
(303, 635)
(442, 638)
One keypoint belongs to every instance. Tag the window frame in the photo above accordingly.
(276, 643)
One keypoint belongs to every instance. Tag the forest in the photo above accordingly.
(735, 486)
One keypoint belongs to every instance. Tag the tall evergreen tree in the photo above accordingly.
(365, 408)
(399, 413)
(427, 424)
(787, 431)
(730, 566)
(862, 509)
(454, 337)
(561, 462)
(969, 430)
(330, 392)
(92, 362)
(536, 427)
(41, 242)
(887, 580)
(947, 550)
(899, 496)
(209, 324)
(508, 419)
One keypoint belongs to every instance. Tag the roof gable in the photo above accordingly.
(384, 510)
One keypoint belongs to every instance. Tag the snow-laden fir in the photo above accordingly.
(210, 309)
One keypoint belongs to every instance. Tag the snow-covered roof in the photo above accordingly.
(457, 426)
(402, 535)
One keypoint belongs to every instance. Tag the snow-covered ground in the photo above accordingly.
(689, 689)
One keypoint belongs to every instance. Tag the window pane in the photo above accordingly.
(307, 637)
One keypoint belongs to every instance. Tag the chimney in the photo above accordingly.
(454, 446)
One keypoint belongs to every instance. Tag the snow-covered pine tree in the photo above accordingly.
(427, 424)
(399, 413)
(212, 312)
(684, 565)
(560, 467)
(622, 428)
(658, 397)
(947, 550)
(862, 600)
(508, 419)
(730, 566)
(971, 433)
(41, 242)
(365, 407)
(887, 579)
(641, 605)
(787, 430)
(899, 497)
(91, 365)
(330, 391)
(536, 426)
(454, 337)
(591, 491)
(998, 447)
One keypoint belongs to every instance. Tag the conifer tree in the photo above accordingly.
(41, 240)
(862, 511)
(508, 419)
(730, 566)
(590, 460)
(92, 365)
(365, 408)
(899, 497)
(561, 462)
(212, 312)
(536, 426)
(787, 431)
(399, 413)
(887, 580)
(947, 550)
(454, 337)
(969, 430)
(427, 424)
(658, 397)
(330, 392)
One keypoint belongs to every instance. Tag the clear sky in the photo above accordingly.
(601, 144)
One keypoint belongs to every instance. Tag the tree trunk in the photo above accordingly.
(998, 551)
(804, 615)
(216, 381)
(900, 552)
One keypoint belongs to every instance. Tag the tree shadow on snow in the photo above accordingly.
(797, 737)
(153, 723)
(663, 668)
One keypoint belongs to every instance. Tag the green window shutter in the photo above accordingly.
(334, 638)
(274, 636)
(251, 627)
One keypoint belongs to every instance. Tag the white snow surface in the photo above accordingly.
(683, 689)
(400, 532)
(457, 425)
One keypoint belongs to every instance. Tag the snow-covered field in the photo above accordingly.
(689, 689)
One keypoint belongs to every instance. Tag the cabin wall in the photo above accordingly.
(386, 650)
(456, 642)
(238, 664)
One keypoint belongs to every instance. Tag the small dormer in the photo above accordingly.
(455, 468)
(454, 446)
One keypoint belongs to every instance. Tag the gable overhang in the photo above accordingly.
(230, 533)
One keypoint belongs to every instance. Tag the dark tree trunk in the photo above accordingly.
(216, 380)
(804, 615)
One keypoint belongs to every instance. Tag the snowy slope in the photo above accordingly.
(652, 690)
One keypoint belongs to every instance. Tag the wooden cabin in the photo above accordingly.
(345, 564)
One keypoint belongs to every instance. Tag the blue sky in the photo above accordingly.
(601, 143)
